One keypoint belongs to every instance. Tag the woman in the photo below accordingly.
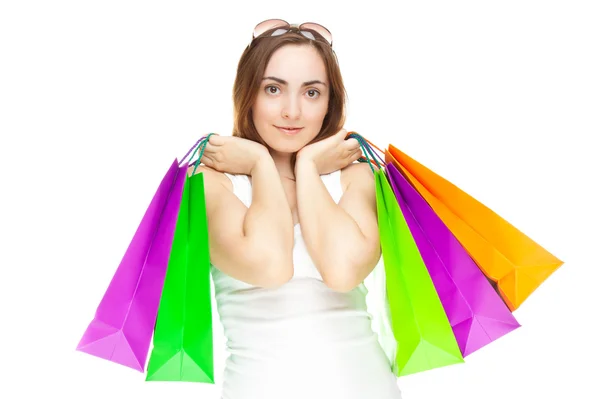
(293, 228)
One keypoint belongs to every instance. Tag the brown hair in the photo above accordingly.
(251, 69)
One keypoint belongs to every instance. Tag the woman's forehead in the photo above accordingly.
(294, 63)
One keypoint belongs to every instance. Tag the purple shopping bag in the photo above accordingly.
(121, 330)
(476, 312)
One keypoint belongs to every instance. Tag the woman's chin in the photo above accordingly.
(288, 149)
(288, 145)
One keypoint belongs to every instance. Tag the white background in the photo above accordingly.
(98, 98)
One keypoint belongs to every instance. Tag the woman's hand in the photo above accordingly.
(232, 155)
(331, 154)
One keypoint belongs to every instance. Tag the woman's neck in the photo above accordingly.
(283, 164)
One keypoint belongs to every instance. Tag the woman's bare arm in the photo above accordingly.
(343, 238)
(252, 244)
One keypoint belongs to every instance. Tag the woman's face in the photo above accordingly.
(294, 93)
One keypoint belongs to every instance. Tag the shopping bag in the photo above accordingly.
(183, 343)
(421, 328)
(477, 314)
(121, 329)
(514, 263)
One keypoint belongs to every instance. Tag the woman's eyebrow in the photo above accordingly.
(283, 82)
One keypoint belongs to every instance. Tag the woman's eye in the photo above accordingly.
(272, 89)
(315, 93)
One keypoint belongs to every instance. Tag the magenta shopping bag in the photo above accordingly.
(121, 330)
(476, 312)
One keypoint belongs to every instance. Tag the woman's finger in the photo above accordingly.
(354, 154)
(208, 148)
(216, 140)
(206, 160)
(352, 144)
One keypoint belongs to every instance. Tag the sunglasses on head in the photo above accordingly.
(307, 29)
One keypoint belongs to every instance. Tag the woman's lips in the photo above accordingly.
(289, 131)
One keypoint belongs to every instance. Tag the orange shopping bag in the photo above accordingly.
(511, 260)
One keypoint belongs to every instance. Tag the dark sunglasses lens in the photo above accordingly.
(268, 25)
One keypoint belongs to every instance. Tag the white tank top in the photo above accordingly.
(300, 340)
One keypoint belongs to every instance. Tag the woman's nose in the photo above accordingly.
(291, 109)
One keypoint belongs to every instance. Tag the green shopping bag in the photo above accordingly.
(424, 337)
(183, 342)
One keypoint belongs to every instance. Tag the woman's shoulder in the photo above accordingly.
(356, 171)
(212, 176)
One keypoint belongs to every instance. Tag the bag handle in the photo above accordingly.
(366, 146)
(371, 144)
(200, 143)
(189, 151)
